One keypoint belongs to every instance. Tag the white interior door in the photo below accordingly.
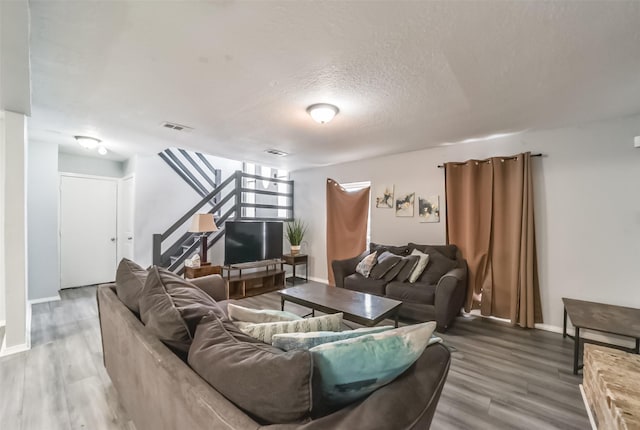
(125, 219)
(88, 244)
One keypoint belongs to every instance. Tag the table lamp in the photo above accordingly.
(203, 223)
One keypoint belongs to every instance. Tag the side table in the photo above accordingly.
(294, 260)
(198, 272)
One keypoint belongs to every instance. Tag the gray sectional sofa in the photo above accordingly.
(159, 390)
(438, 294)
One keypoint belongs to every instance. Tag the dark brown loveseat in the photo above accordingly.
(438, 294)
(161, 392)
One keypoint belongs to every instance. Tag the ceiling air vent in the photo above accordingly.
(276, 152)
(176, 127)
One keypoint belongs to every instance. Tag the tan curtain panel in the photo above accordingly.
(347, 213)
(490, 217)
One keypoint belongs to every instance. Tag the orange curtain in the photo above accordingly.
(490, 218)
(347, 213)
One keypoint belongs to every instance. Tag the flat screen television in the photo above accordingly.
(248, 241)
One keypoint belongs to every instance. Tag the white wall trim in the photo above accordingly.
(320, 280)
(82, 175)
(4, 351)
(45, 299)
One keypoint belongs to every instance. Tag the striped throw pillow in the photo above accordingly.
(265, 331)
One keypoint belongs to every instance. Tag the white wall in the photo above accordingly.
(162, 197)
(42, 203)
(15, 233)
(72, 163)
(586, 206)
(3, 314)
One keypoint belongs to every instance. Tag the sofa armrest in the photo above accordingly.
(213, 285)
(450, 294)
(344, 268)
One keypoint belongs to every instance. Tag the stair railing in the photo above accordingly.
(185, 245)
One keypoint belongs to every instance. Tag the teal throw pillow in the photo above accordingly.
(351, 369)
(291, 341)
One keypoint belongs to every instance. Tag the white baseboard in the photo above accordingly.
(45, 299)
(320, 280)
(549, 327)
(592, 421)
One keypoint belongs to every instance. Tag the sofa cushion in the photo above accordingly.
(398, 250)
(416, 293)
(265, 331)
(130, 279)
(437, 267)
(351, 369)
(365, 265)
(171, 308)
(420, 266)
(407, 269)
(449, 251)
(357, 282)
(290, 341)
(271, 385)
(240, 313)
(386, 261)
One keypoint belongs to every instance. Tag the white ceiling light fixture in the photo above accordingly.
(102, 150)
(322, 112)
(87, 142)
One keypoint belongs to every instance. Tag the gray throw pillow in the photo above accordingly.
(393, 272)
(408, 268)
(130, 279)
(171, 308)
(386, 261)
(438, 266)
(272, 385)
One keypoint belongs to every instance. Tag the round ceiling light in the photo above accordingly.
(87, 142)
(322, 112)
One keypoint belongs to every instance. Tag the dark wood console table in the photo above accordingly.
(611, 319)
(267, 276)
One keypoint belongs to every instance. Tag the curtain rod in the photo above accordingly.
(440, 166)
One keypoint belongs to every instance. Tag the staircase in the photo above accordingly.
(227, 200)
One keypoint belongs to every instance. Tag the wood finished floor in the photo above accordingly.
(501, 377)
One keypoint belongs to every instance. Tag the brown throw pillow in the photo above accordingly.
(272, 385)
(438, 266)
(130, 279)
(386, 261)
(411, 263)
(171, 308)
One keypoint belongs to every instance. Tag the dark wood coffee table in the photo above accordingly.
(612, 319)
(361, 308)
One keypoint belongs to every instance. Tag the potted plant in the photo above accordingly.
(295, 233)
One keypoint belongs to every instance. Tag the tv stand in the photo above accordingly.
(266, 276)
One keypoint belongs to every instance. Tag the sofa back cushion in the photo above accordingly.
(438, 266)
(130, 279)
(449, 251)
(269, 384)
(171, 308)
(398, 250)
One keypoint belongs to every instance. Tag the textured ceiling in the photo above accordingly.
(405, 75)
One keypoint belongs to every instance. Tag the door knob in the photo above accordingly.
(113, 239)
(130, 238)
